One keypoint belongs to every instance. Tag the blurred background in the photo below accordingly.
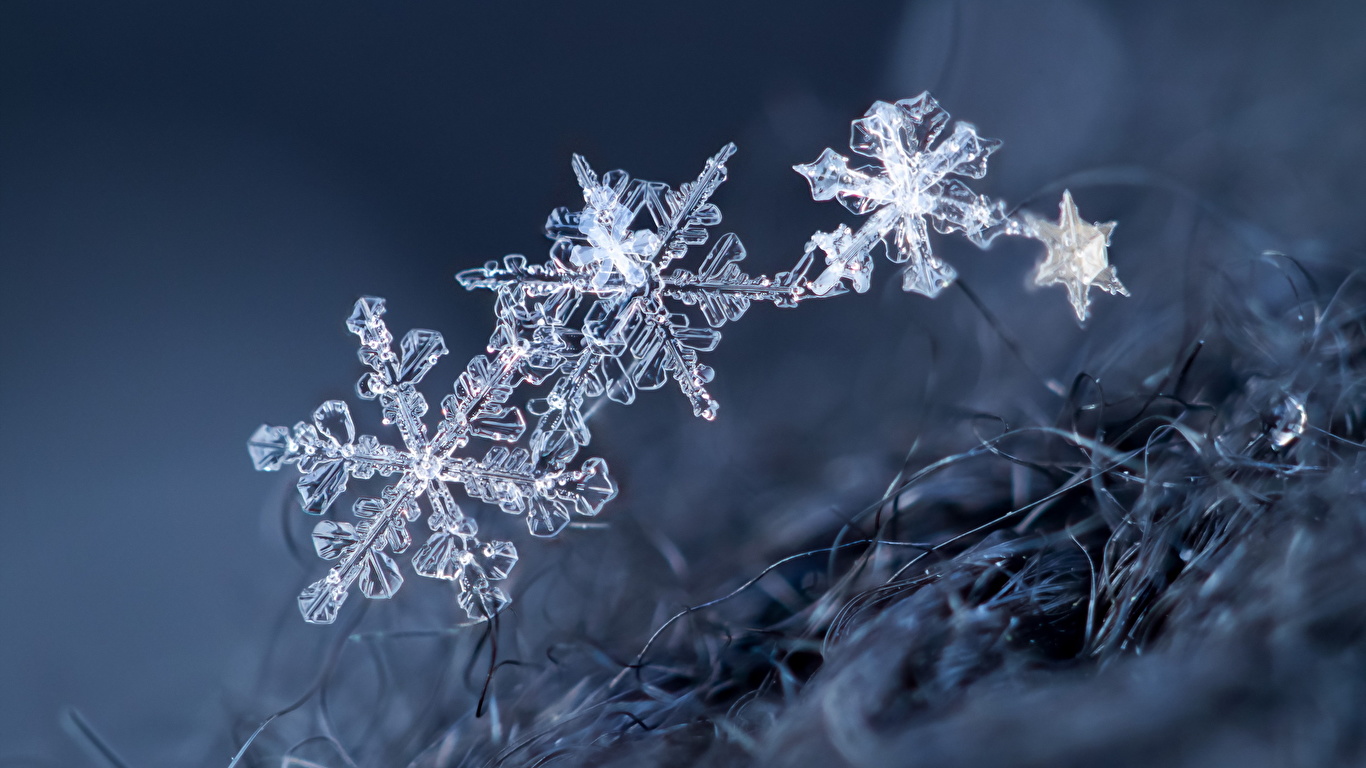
(192, 196)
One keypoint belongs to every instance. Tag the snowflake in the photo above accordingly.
(1076, 255)
(328, 453)
(910, 185)
(602, 316)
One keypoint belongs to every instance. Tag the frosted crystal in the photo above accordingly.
(1076, 255)
(321, 600)
(909, 186)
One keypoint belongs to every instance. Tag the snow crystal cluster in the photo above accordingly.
(914, 182)
(613, 311)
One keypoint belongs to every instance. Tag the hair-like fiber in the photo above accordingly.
(1163, 575)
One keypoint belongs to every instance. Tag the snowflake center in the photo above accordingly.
(428, 467)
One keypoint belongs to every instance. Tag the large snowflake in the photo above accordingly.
(911, 184)
(328, 453)
(605, 314)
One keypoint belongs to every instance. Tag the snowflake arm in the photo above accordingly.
(478, 406)
(683, 217)
(723, 292)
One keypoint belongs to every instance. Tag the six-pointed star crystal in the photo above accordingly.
(1076, 255)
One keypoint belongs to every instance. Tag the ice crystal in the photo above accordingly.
(911, 184)
(611, 313)
(1076, 255)
(328, 454)
(603, 314)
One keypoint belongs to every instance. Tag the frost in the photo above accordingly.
(1076, 255)
(328, 453)
(910, 185)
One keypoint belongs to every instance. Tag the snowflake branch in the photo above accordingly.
(686, 224)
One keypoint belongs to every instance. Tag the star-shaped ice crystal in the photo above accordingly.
(1076, 255)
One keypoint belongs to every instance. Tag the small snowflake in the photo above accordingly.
(910, 185)
(1076, 255)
